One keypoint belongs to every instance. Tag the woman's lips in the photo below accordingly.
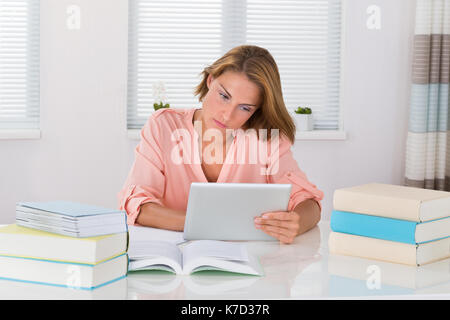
(220, 124)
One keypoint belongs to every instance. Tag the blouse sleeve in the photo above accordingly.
(146, 179)
(283, 168)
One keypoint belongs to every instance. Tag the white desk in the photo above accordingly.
(302, 270)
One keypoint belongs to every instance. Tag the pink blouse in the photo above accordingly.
(167, 161)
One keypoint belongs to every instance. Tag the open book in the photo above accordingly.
(196, 256)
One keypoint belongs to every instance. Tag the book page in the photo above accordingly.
(141, 233)
(215, 249)
(139, 250)
(251, 267)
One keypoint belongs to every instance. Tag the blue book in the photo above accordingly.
(398, 230)
(71, 218)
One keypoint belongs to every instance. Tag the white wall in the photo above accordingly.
(84, 153)
(376, 90)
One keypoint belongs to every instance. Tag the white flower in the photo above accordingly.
(159, 92)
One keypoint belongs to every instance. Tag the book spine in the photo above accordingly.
(371, 248)
(389, 207)
(373, 226)
(434, 251)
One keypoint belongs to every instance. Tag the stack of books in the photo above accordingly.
(64, 244)
(392, 223)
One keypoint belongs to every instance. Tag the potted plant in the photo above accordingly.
(304, 119)
(160, 105)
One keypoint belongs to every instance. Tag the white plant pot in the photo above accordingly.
(304, 122)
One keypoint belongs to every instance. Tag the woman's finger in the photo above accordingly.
(282, 237)
(273, 222)
(281, 231)
(286, 224)
(279, 215)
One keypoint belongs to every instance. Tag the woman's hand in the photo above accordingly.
(283, 225)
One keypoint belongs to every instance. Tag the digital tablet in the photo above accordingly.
(226, 211)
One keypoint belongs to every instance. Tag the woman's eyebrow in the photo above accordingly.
(247, 104)
(225, 89)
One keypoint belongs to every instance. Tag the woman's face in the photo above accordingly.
(231, 100)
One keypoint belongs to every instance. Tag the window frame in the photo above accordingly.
(339, 134)
(32, 132)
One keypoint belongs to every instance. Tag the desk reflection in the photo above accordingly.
(339, 276)
(15, 290)
(353, 276)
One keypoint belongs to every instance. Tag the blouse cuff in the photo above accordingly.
(301, 190)
(131, 202)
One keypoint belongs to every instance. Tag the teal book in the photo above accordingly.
(398, 230)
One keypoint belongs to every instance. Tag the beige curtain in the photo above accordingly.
(428, 141)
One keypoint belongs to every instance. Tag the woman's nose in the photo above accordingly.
(227, 114)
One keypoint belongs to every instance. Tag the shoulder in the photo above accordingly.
(285, 142)
(169, 112)
(276, 139)
(281, 140)
(279, 145)
(171, 117)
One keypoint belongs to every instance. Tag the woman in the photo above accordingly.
(241, 101)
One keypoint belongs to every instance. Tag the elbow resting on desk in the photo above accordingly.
(309, 212)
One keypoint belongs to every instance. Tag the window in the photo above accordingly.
(19, 64)
(172, 41)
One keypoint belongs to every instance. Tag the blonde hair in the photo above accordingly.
(260, 67)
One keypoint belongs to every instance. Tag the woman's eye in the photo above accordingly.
(246, 108)
(224, 97)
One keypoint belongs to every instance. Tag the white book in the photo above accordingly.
(390, 251)
(393, 201)
(193, 257)
(62, 274)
